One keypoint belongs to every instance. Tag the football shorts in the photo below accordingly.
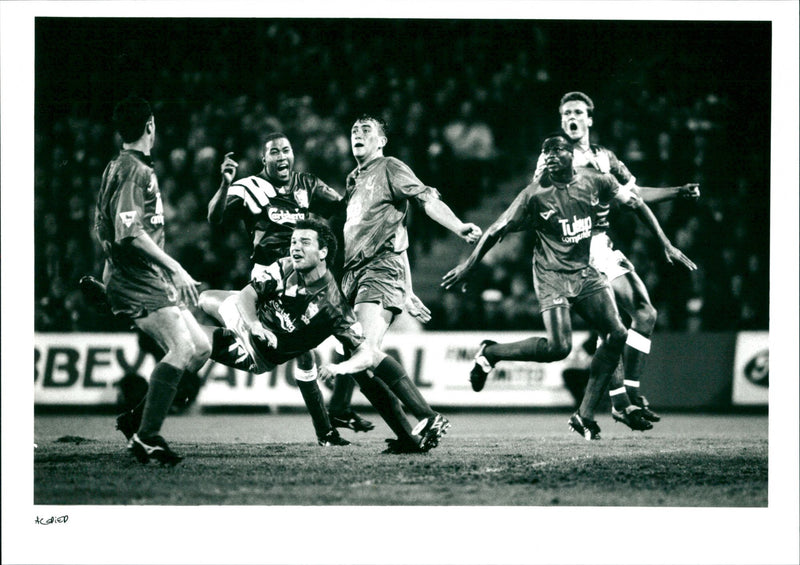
(136, 298)
(609, 261)
(562, 288)
(381, 280)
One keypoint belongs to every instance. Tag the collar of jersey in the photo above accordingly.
(146, 159)
(367, 165)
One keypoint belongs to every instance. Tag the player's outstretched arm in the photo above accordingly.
(509, 221)
(183, 281)
(246, 304)
(219, 202)
(441, 213)
(671, 252)
(654, 195)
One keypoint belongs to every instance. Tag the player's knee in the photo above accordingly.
(305, 361)
(207, 303)
(617, 337)
(202, 350)
(645, 318)
(557, 349)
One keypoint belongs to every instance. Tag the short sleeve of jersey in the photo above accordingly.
(618, 169)
(267, 280)
(608, 187)
(403, 182)
(129, 206)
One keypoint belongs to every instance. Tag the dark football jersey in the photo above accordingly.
(129, 204)
(600, 159)
(562, 216)
(377, 203)
(300, 316)
(270, 214)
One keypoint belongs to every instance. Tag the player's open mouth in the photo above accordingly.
(358, 144)
(283, 167)
(573, 127)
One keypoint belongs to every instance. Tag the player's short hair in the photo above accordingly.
(559, 134)
(325, 235)
(581, 97)
(271, 137)
(130, 117)
(384, 127)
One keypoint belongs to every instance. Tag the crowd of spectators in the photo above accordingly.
(468, 121)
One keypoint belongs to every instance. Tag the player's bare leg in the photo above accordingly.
(632, 297)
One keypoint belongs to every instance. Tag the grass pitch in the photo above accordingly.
(519, 459)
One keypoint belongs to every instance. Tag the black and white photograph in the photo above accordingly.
(442, 283)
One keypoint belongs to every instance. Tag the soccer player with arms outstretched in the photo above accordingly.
(143, 283)
(576, 110)
(269, 205)
(559, 206)
(377, 278)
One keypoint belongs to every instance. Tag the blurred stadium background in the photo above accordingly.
(467, 103)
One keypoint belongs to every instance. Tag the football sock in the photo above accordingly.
(619, 399)
(531, 349)
(604, 362)
(392, 373)
(342, 395)
(386, 404)
(637, 349)
(312, 396)
(226, 349)
(160, 394)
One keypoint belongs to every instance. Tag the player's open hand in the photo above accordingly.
(690, 191)
(673, 254)
(470, 233)
(263, 335)
(186, 286)
(456, 275)
(228, 168)
(416, 308)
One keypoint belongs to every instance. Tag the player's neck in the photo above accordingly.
(142, 145)
(281, 185)
(562, 177)
(313, 275)
(583, 143)
(366, 159)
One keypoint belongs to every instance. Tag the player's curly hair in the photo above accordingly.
(131, 116)
(384, 127)
(581, 97)
(324, 235)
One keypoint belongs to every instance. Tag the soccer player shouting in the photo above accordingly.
(576, 110)
(559, 207)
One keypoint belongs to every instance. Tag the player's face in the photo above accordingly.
(304, 250)
(557, 155)
(278, 159)
(366, 140)
(575, 120)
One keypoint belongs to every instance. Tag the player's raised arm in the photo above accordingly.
(654, 195)
(219, 202)
(629, 198)
(441, 213)
(510, 220)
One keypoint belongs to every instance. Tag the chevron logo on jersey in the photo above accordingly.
(127, 218)
(254, 191)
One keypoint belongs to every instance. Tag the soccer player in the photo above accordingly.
(576, 110)
(559, 207)
(290, 307)
(269, 204)
(377, 279)
(143, 282)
